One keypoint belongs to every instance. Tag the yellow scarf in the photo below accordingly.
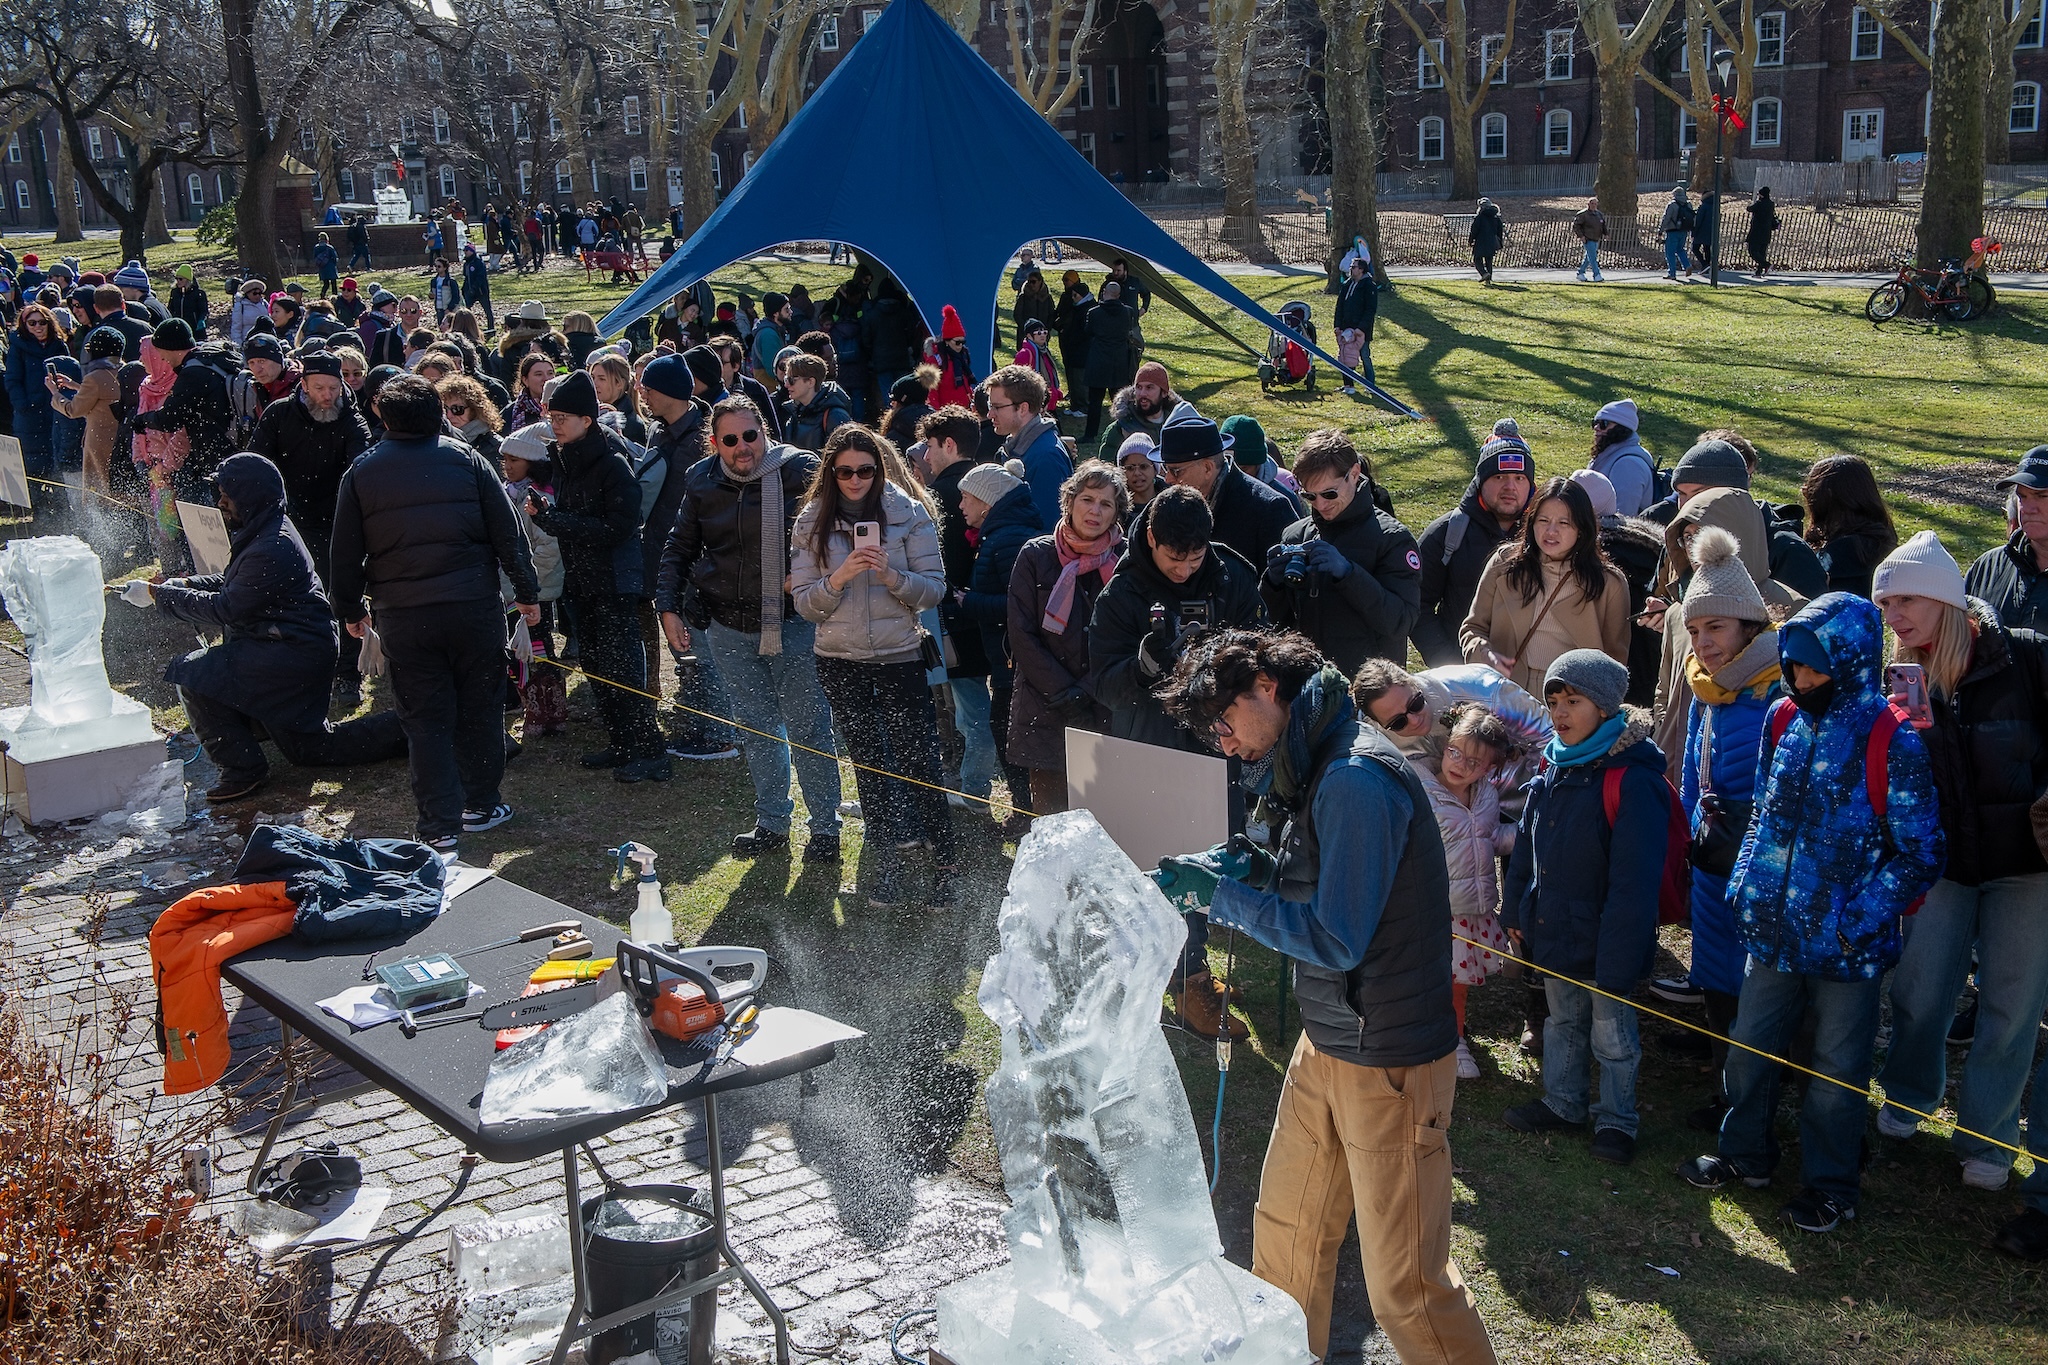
(1753, 670)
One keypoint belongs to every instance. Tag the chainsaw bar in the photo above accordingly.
(547, 1008)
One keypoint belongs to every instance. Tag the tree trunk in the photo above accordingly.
(155, 231)
(256, 220)
(1952, 199)
(1232, 28)
(1615, 183)
(1998, 99)
(69, 229)
(1464, 156)
(700, 196)
(1349, 58)
(255, 209)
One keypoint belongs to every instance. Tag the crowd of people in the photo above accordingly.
(1646, 696)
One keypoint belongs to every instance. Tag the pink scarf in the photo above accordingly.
(1076, 560)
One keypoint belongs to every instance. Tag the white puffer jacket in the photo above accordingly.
(870, 622)
(1475, 837)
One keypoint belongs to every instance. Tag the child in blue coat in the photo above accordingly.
(1838, 850)
(1581, 898)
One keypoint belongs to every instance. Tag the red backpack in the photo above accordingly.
(1674, 889)
(1877, 751)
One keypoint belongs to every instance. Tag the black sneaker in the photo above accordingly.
(1678, 990)
(700, 751)
(886, 892)
(655, 769)
(1712, 1172)
(945, 890)
(1685, 1045)
(822, 848)
(1812, 1211)
(513, 748)
(1613, 1146)
(2025, 1236)
(235, 788)
(477, 821)
(1707, 1118)
(759, 840)
(605, 758)
(1538, 1117)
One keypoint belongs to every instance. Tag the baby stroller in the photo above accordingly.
(1287, 361)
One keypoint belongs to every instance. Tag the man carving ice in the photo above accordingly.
(1359, 897)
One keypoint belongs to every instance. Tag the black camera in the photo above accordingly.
(1294, 570)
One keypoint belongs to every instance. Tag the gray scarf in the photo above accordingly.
(774, 549)
(1022, 439)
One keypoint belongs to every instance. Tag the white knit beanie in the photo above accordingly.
(1920, 568)
(993, 482)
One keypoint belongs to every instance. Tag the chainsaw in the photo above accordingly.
(681, 992)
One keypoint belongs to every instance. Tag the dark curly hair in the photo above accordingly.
(1219, 666)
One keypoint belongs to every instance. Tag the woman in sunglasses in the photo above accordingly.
(38, 339)
(864, 564)
(472, 413)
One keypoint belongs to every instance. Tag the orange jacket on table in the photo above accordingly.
(186, 947)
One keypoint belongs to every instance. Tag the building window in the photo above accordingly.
(518, 121)
(565, 181)
(405, 128)
(2025, 116)
(346, 179)
(2030, 36)
(739, 117)
(1430, 139)
(487, 122)
(525, 179)
(1155, 86)
(1489, 49)
(1866, 36)
(308, 140)
(220, 188)
(1087, 145)
(447, 182)
(1688, 131)
(434, 66)
(1084, 98)
(95, 146)
(1770, 39)
(717, 173)
(869, 18)
(1557, 133)
(828, 33)
(476, 59)
(675, 185)
(1763, 123)
(319, 192)
(596, 186)
(491, 184)
(21, 194)
(1113, 86)
(14, 142)
(629, 113)
(1557, 55)
(195, 190)
(554, 125)
(441, 131)
(746, 164)
(1493, 137)
(1429, 66)
(636, 172)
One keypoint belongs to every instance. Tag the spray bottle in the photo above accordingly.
(651, 922)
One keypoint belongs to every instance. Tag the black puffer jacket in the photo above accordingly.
(1250, 516)
(1009, 526)
(1989, 750)
(312, 457)
(1636, 547)
(1450, 575)
(676, 446)
(716, 543)
(424, 522)
(595, 514)
(197, 405)
(807, 426)
(1367, 613)
(2008, 579)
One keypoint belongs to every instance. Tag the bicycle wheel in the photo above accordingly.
(1885, 301)
(1957, 306)
(1983, 298)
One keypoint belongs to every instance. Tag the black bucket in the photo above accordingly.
(639, 1239)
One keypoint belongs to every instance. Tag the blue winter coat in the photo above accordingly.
(1821, 882)
(31, 398)
(1717, 951)
(1584, 895)
(1046, 467)
(1009, 526)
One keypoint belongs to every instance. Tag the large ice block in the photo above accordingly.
(1114, 1256)
(54, 592)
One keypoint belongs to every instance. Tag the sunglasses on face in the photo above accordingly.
(457, 409)
(747, 437)
(1603, 425)
(853, 473)
(1416, 701)
(1327, 495)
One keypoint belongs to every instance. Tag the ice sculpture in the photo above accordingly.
(1114, 1256)
(54, 592)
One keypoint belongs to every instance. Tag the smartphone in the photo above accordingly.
(867, 535)
(1908, 684)
(50, 367)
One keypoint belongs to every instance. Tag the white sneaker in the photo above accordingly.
(1895, 1127)
(849, 810)
(1985, 1175)
(1468, 1070)
(1349, 391)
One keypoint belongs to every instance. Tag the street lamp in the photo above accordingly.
(1724, 68)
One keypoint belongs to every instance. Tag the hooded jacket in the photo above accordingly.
(1367, 613)
(1724, 730)
(1128, 421)
(1450, 574)
(198, 405)
(1582, 893)
(1989, 752)
(1822, 881)
(869, 621)
(1225, 586)
(715, 545)
(276, 657)
(1252, 518)
(1632, 472)
(1010, 525)
(807, 426)
(312, 457)
(1475, 838)
(595, 514)
(2011, 584)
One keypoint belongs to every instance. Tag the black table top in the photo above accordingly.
(441, 1071)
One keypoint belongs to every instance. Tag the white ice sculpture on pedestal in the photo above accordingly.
(1114, 1256)
(54, 592)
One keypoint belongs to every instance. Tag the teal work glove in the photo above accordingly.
(1189, 880)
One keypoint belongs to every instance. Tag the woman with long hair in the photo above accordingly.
(580, 330)
(1847, 522)
(612, 376)
(1548, 591)
(866, 601)
(529, 405)
(39, 337)
(471, 412)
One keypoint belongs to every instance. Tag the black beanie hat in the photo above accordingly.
(1508, 454)
(321, 362)
(576, 396)
(173, 334)
(705, 366)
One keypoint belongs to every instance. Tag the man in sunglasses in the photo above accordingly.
(1359, 897)
(1619, 454)
(1347, 575)
(731, 543)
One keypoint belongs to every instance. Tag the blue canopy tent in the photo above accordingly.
(968, 172)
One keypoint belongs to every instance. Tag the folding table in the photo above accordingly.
(441, 1073)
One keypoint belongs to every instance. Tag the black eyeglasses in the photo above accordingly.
(853, 473)
(456, 409)
(1416, 702)
(747, 437)
(1327, 495)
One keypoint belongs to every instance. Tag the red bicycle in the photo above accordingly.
(1944, 290)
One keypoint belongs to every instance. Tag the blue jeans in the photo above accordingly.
(2035, 1186)
(2002, 919)
(970, 718)
(1831, 1121)
(779, 694)
(1581, 1022)
(1675, 258)
(1590, 265)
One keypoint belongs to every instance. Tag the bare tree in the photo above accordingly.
(791, 47)
(1448, 23)
(2005, 33)
(1616, 58)
(1232, 31)
(1044, 66)
(1350, 58)
(1952, 196)
(1705, 29)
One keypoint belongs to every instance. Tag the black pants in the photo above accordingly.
(1095, 400)
(229, 736)
(447, 667)
(609, 633)
(886, 719)
(1482, 261)
(999, 696)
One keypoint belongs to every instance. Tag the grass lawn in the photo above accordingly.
(1559, 1249)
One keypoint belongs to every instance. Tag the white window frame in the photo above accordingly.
(1550, 125)
(717, 173)
(434, 66)
(1770, 38)
(447, 179)
(525, 179)
(1084, 96)
(1756, 122)
(565, 178)
(554, 126)
(443, 130)
(406, 128)
(27, 201)
(629, 114)
(1863, 25)
(95, 142)
(746, 164)
(1113, 86)
(1490, 125)
(828, 33)
(345, 180)
(1086, 144)
(674, 181)
(636, 175)
(1688, 131)
(14, 143)
(487, 122)
(869, 18)
(2030, 36)
(2032, 107)
(1428, 131)
(1557, 48)
(1429, 65)
(195, 189)
(309, 141)
(1489, 47)
(739, 116)
(595, 187)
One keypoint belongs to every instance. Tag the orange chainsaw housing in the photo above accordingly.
(683, 1012)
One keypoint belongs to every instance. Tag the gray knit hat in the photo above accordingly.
(1592, 675)
(992, 482)
(1712, 464)
(1721, 586)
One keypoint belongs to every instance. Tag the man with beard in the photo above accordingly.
(1143, 406)
(1619, 454)
(1456, 546)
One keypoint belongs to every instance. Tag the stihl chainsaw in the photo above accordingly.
(683, 993)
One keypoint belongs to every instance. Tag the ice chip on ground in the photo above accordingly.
(601, 1061)
(1114, 1256)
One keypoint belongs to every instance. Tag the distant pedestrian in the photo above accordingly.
(1675, 225)
(1763, 221)
(1487, 234)
(1706, 230)
(1590, 227)
(1358, 307)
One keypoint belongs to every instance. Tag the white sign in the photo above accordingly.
(1152, 801)
(206, 531)
(13, 473)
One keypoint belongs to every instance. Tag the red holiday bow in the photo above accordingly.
(1724, 107)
